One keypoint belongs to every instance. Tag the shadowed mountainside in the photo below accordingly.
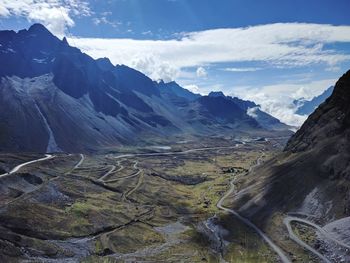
(54, 97)
(312, 175)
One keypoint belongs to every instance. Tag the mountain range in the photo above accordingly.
(55, 98)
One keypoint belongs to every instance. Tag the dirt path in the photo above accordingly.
(125, 177)
(18, 167)
(272, 245)
(82, 158)
(113, 167)
(289, 219)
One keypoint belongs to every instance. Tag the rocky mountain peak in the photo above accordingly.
(65, 41)
(38, 28)
(104, 64)
(216, 94)
(330, 120)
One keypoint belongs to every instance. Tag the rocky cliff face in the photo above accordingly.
(330, 119)
(328, 128)
(312, 175)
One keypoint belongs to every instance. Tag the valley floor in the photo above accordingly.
(154, 204)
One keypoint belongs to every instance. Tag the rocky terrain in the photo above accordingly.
(305, 190)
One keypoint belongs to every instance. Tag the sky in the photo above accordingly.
(271, 51)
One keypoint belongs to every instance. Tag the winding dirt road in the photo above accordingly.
(113, 167)
(289, 219)
(272, 245)
(18, 167)
(82, 158)
(124, 177)
(175, 153)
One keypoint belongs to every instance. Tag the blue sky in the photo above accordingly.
(268, 51)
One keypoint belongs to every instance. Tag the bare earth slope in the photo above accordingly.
(310, 179)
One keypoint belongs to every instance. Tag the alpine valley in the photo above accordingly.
(99, 163)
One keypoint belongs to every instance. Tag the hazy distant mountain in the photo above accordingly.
(264, 119)
(224, 109)
(54, 97)
(306, 107)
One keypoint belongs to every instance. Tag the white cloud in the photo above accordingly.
(241, 69)
(201, 72)
(4, 11)
(277, 100)
(279, 107)
(193, 88)
(252, 112)
(104, 20)
(56, 15)
(280, 45)
(154, 68)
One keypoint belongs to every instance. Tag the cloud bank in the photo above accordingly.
(278, 45)
(56, 15)
(277, 100)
